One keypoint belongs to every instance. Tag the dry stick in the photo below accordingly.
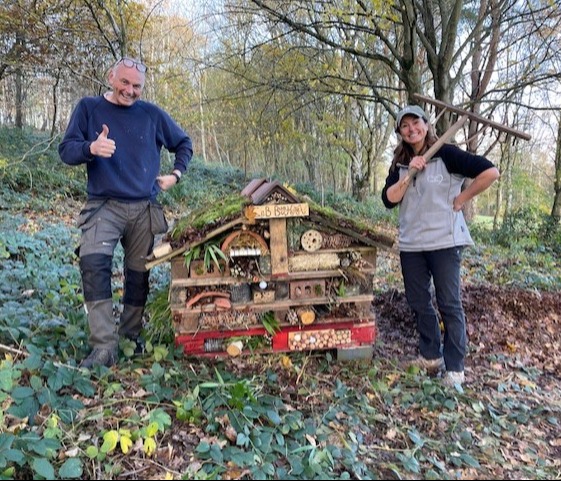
(302, 369)
(19, 352)
(13, 350)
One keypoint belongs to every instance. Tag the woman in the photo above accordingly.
(432, 234)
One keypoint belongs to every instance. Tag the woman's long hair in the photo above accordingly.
(403, 153)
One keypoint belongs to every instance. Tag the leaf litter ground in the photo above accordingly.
(395, 422)
(401, 423)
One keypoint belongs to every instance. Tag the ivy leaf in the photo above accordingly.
(71, 469)
(151, 430)
(110, 439)
(126, 443)
(274, 417)
(43, 468)
(416, 437)
(160, 352)
(409, 463)
(242, 440)
(149, 446)
(204, 447)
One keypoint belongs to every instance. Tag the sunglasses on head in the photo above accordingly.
(130, 63)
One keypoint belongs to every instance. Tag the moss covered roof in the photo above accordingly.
(203, 221)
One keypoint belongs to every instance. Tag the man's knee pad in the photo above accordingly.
(136, 287)
(96, 276)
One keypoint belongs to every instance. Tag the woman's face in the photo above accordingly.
(413, 130)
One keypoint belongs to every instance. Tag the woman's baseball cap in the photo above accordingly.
(410, 110)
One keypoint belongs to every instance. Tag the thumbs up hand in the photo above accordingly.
(103, 146)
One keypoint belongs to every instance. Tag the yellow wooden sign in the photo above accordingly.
(279, 211)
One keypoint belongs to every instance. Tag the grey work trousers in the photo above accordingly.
(104, 223)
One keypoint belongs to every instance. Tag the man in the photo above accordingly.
(119, 138)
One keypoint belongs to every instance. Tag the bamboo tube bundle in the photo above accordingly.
(320, 339)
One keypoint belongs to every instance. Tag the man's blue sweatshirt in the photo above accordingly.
(139, 131)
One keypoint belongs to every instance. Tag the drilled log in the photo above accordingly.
(306, 316)
(235, 348)
(311, 240)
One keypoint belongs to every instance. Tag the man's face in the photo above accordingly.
(127, 84)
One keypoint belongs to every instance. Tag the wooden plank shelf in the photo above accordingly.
(321, 323)
(291, 276)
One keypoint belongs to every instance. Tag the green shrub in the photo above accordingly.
(30, 165)
(527, 227)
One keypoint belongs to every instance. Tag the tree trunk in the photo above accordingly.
(202, 120)
(55, 105)
(506, 178)
(480, 77)
(19, 99)
(556, 208)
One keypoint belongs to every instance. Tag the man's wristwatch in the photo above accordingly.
(177, 177)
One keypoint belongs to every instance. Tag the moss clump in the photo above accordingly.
(209, 215)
